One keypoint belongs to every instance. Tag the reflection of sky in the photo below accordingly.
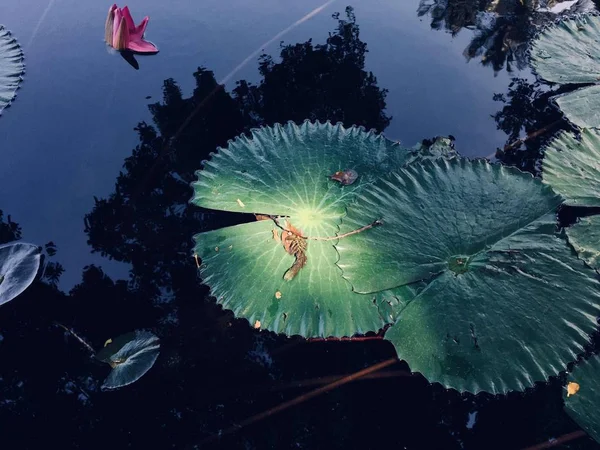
(65, 138)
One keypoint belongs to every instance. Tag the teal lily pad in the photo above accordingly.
(572, 167)
(11, 67)
(582, 396)
(19, 264)
(500, 279)
(566, 52)
(130, 356)
(286, 172)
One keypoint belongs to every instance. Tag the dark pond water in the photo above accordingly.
(410, 69)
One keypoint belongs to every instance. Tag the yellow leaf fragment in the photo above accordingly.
(278, 295)
(241, 203)
(108, 341)
(572, 389)
(276, 235)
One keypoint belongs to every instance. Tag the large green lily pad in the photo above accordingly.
(583, 399)
(567, 53)
(11, 67)
(584, 236)
(572, 167)
(19, 263)
(285, 171)
(130, 356)
(501, 281)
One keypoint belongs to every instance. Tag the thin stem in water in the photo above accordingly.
(558, 441)
(375, 223)
(72, 333)
(300, 399)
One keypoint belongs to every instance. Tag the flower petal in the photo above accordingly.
(141, 28)
(128, 19)
(139, 45)
(116, 22)
(108, 27)
(121, 42)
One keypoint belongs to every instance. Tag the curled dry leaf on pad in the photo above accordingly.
(295, 244)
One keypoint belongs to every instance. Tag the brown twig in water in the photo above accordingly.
(68, 330)
(375, 223)
(529, 136)
(290, 345)
(331, 378)
(300, 399)
(346, 339)
(558, 441)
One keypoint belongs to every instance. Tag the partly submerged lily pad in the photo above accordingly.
(438, 147)
(584, 236)
(11, 67)
(582, 396)
(567, 53)
(285, 171)
(572, 167)
(19, 263)
(130, 355)
(501, 281)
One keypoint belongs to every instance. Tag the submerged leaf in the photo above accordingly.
(572, 167)
(130, 355)
(501, 280)
(19, 263)
(432, 149)
(284, 171)
(11, 67)
(582, 403)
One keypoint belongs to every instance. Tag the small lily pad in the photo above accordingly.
(11, 67)
(19, 263)
(582, 396)
(432, 149)
(130, 355)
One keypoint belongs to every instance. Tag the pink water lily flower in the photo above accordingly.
(122, 34)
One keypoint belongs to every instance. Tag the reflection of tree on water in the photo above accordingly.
(502, 27)
(527, 111)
